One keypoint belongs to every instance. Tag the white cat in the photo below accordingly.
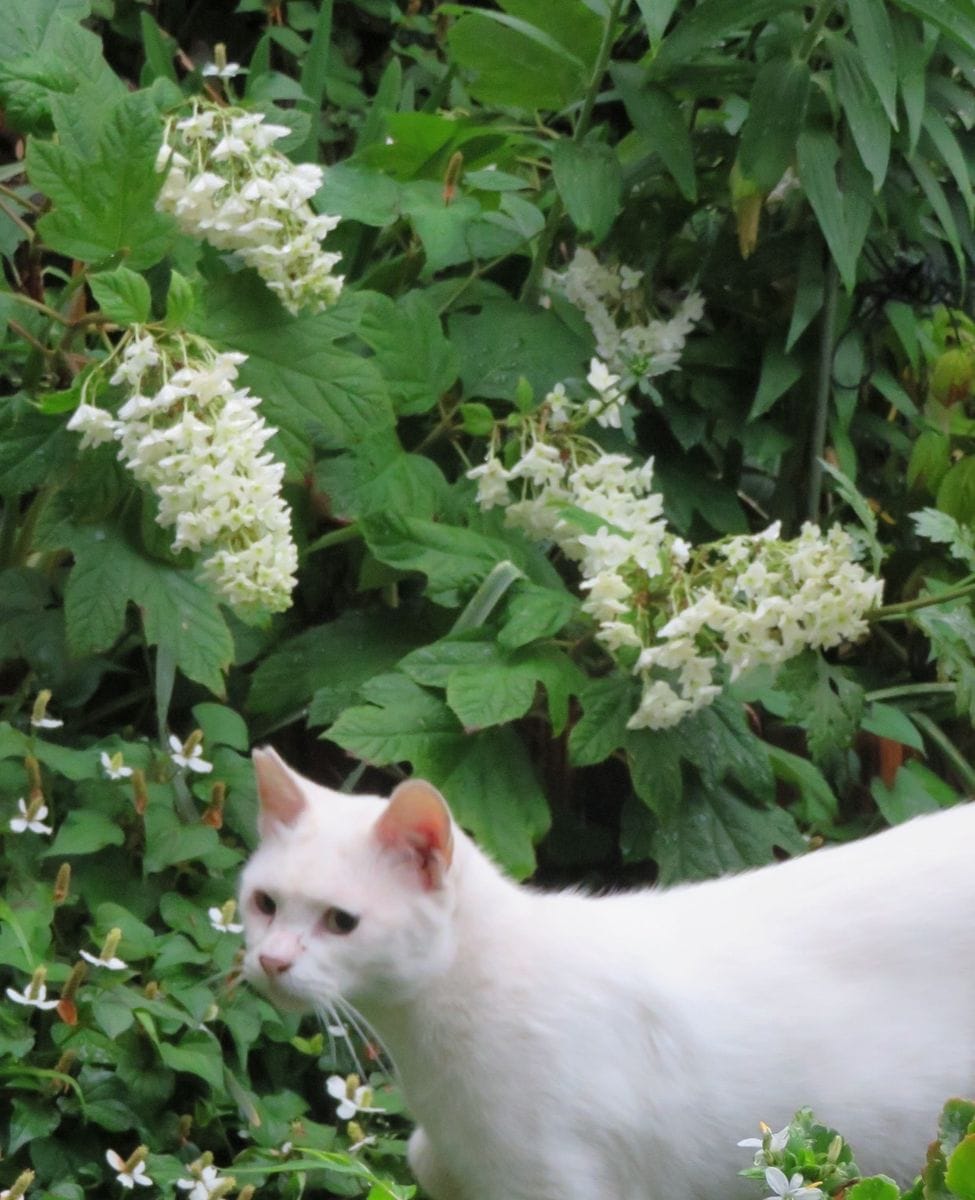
(568, 1047)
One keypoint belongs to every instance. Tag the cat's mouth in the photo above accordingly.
(280, 991)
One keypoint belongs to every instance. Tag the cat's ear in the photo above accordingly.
(279, 790)
(417, 824)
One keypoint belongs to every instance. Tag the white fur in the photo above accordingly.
(566, 1047)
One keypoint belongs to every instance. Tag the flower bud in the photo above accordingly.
(62, 884)
(74, 980)
(138, 1155)
(140, 794)
(20, 1185)
(110, 945)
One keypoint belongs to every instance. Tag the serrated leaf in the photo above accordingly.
(607, 704)
(177, 611)
(34, 447)
(715, 832)
(956, 492)
(942, 527)
(835, 706)
(104, 193)
(122, 295)
(877, 1187)
(654, 757)
(403, 722)
(377, 476)
(412, 353)
(312, 390)
(819, 802)
(535, 612)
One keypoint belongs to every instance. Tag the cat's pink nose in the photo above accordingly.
(274, 964)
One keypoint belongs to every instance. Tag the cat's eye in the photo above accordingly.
(264, 904)
(337, 920)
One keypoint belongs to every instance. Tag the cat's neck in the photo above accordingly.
(489, 911)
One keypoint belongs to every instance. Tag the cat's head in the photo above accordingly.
(346, 896)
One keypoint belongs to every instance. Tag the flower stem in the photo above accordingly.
(909, 689)
(894, 612)
(347, 533)
(823, 389)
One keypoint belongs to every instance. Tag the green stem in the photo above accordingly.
(823, 389)
(13, 194)
(947, 748)
(909, 689)
(547, 237)
(348, 533)
(894, 612)
(22, 547)
(811, 36)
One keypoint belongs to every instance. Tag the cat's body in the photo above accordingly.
(565, 1047)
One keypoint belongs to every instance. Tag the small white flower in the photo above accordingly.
(194, 761)
(128, 1179)
(34, 823)
(37, 1000)
(113, 766)
(227, 71)
(112, 963)
(222, 921)
(200, 1189)
(784, 1188)
(776, 1141)
(339, 1088)
(46, 723)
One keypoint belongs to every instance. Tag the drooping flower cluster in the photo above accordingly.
(226, 183)
(197, 439)
(613, 301)
(684, 620)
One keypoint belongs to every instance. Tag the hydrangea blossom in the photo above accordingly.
(226, 183)
(189, 432)
(612, 300)
(685, 621)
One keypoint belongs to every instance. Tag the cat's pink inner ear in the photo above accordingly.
(279, 790)
(417, 823)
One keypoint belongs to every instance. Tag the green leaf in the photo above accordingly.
(84, 833)
(122, 295)
(956, 492)
(950, 627)
(221, 726)
(330, 662)
(839, 208)
(589, 179)
(961, 1169)
(654, 757)
(506, 342)
(607, 704)
(707, 24)
(177, 612)
(104, 192)
(311, 389)
(34, 447)
(537, 54)
(452, 558)
(869, 123)
(954, 18)
(819, 803)
(661, 123)
(906, 798)
(875, 41)
(379, 476)
(412, 353)
(535, 612)
(955, 1123)
(776, 110)
(942, 527)
(714, 832)
(945, 145)
(197, 1053)
(934, 192)
(876, 1187)
(779, 372)
(886, 721)
(30, 1118)
(486, 777)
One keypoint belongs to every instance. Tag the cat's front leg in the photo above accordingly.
(430, 1171)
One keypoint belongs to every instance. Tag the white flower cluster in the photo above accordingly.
(613, 303)
(684, 621)
(226, 183)
(764, 601)
(198, 440)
